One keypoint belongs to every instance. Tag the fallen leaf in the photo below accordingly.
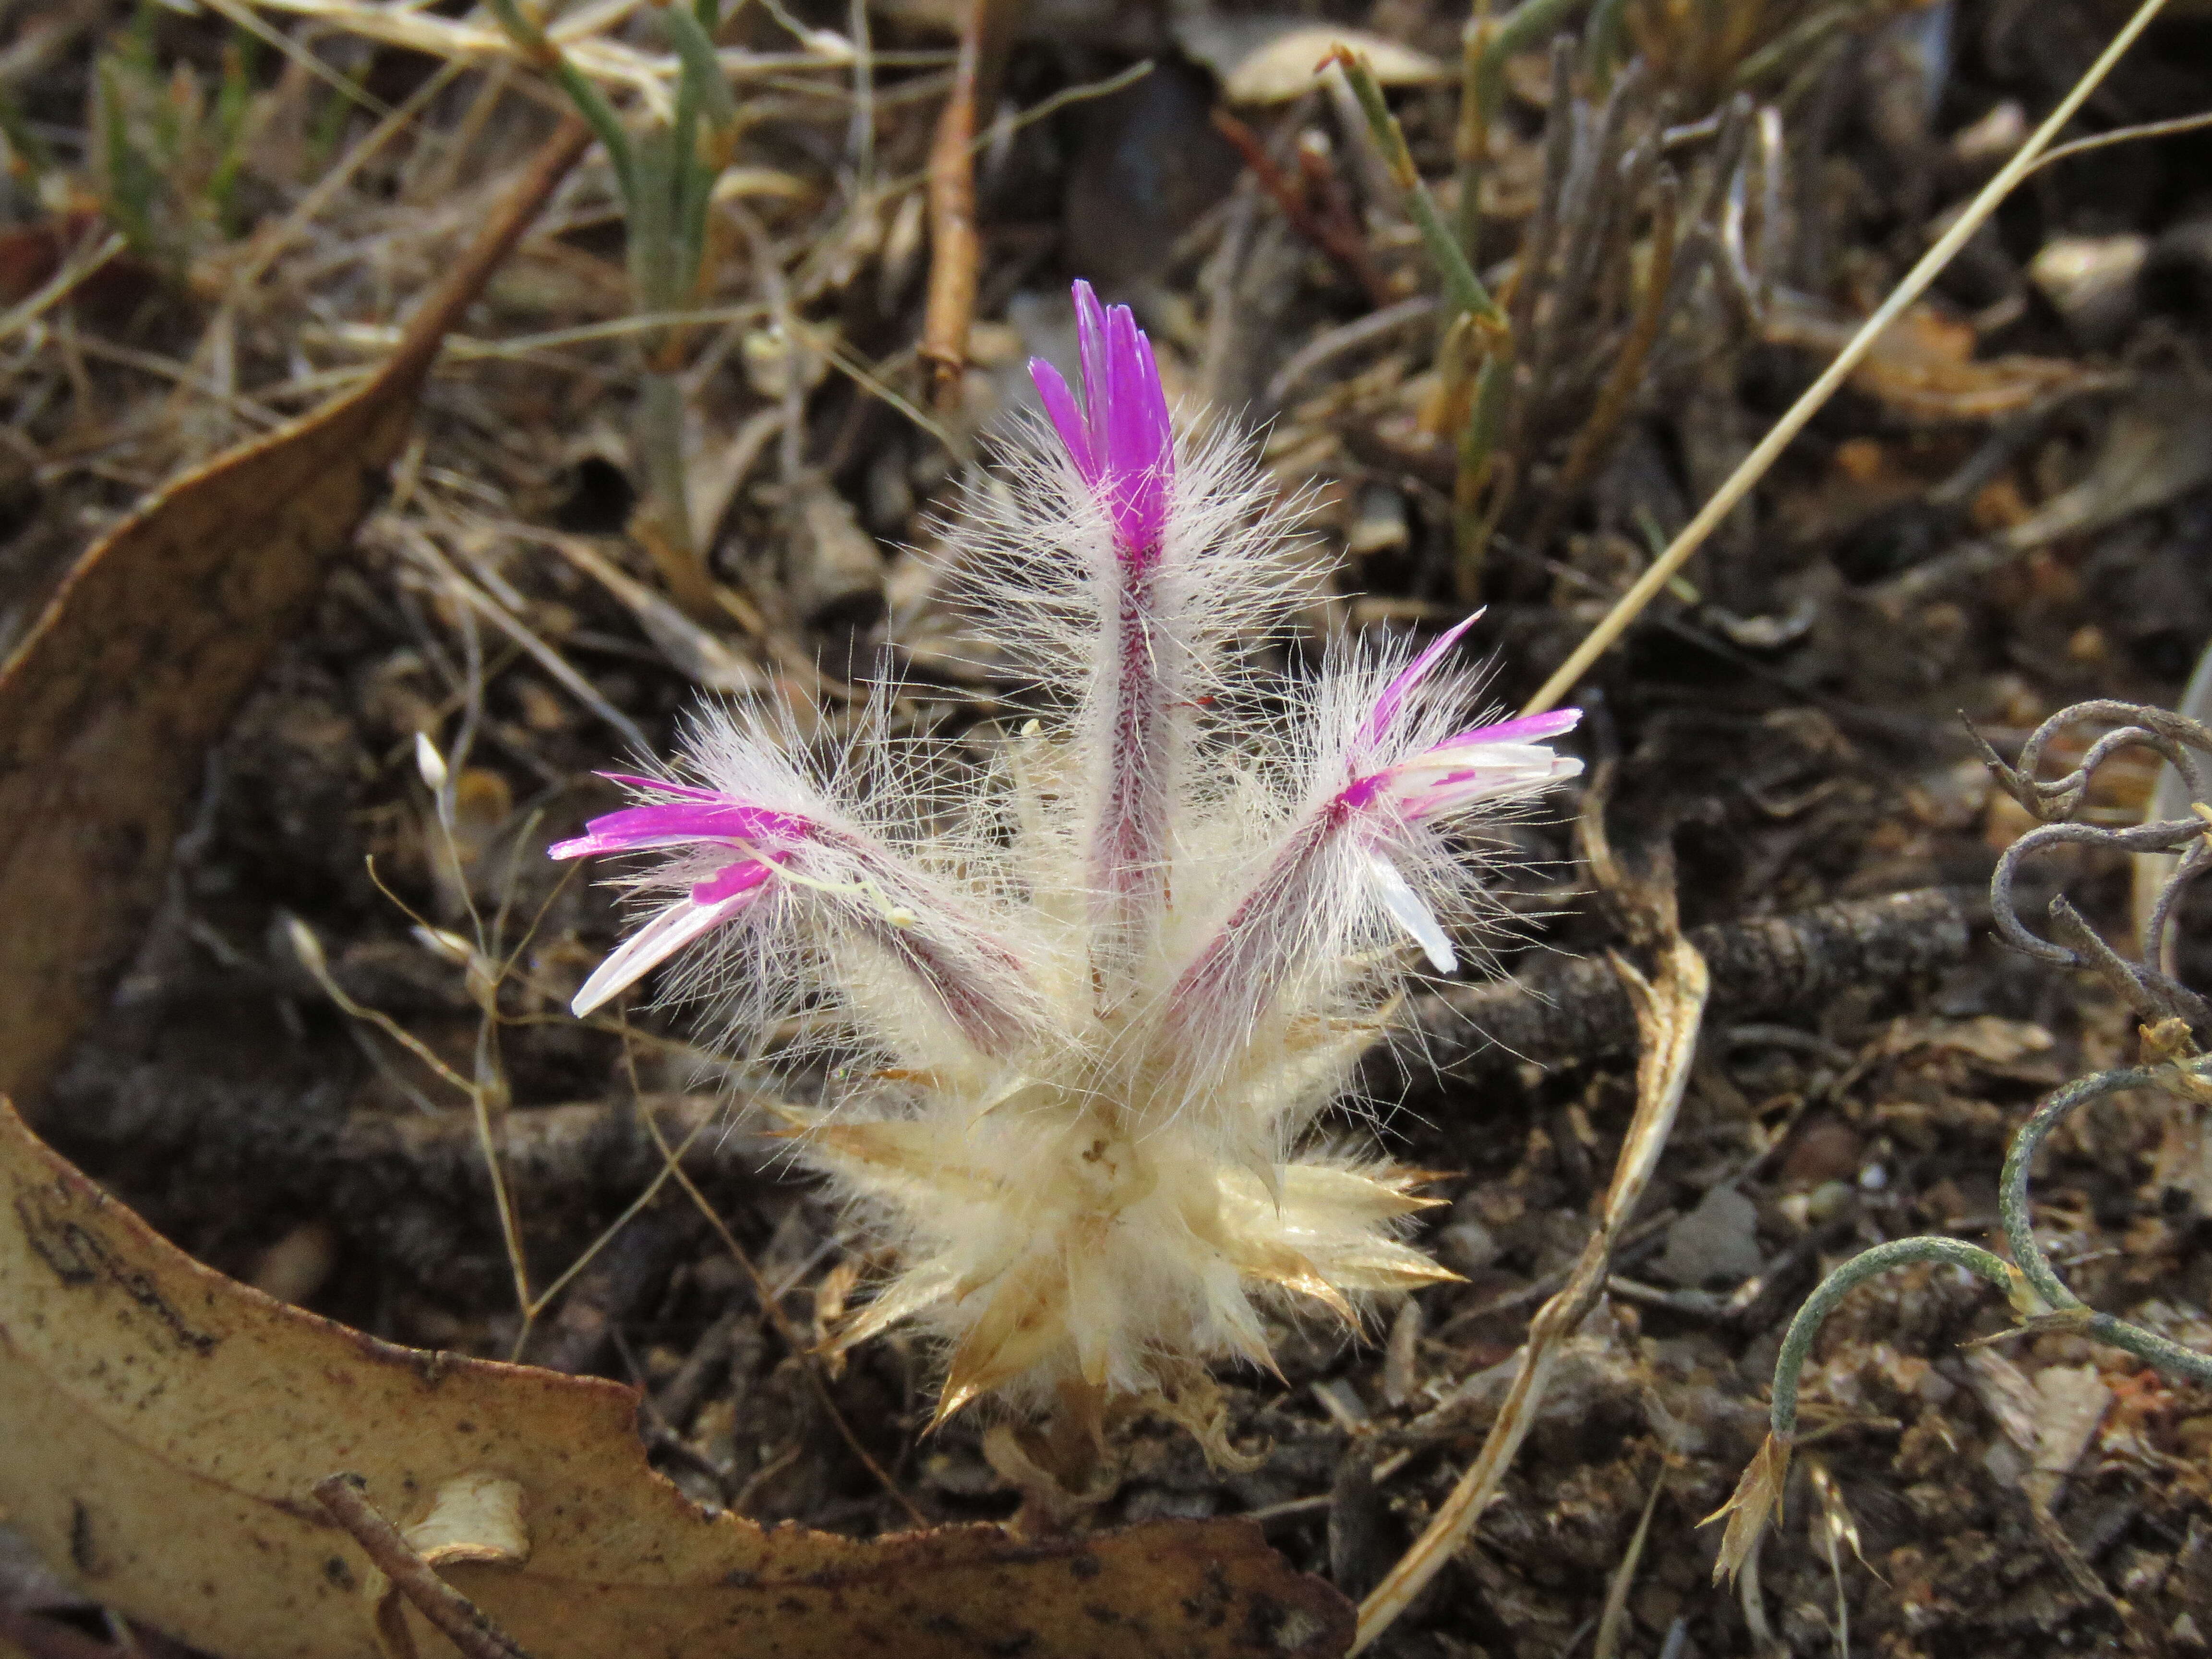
(2007, 1394)
(166, 1425)
(2156, 447)
(1922, 366)
(2071, 1400)
(147, 646)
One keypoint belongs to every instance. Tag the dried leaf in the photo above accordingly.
(1922, 365)
(107, 707)
(166, 1425)
(2157, 446)
(1272, 60)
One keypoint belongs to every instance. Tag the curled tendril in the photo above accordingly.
(2038, 1297)
(2142, 984)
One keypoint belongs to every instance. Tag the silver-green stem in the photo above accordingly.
(2039, 1296)
(1797, 1342)
(1464, 294)
(2020, 1224)
(658, 433)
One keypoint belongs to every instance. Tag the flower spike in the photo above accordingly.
(1366, 826)
(732, 854)
(1463, 770)
(1062, 1029)
(1121, 445)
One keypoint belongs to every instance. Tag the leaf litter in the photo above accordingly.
(1782, 716)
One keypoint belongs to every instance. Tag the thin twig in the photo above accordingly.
(2179, 123)
(2027, 1249)
(1779, 437)
(771, 1303)
(2039, 1299)
(1334, 235)
(84, 262)
(544, 1299)
(956, 249)
(463, 1623)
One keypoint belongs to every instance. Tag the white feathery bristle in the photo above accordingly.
(1082, 1032)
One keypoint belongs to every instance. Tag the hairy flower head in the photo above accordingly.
(1092, 1006)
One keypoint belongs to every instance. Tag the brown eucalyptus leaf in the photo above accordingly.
(165, 1426)
(145, 649)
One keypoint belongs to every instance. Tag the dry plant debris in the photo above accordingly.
(168, 1427)
(356, 1086)
(142, 656)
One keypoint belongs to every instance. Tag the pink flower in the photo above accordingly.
(1072, 1011)
(1119, 438)
(730, 854)
(696, 821)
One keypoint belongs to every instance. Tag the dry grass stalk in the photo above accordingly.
(1669, 1012)
(585, 38)
(1779, 438)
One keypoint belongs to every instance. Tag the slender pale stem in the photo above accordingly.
(1463, 290)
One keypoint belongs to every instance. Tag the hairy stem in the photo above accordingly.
(1129, 847)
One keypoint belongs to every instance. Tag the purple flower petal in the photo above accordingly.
(731, 880)
(1385, 712)
(674, 824)
(661, 786)
(1097, 373)
(1066, 418)
(1119, 437)
(1530, 728)
(1138, 453)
